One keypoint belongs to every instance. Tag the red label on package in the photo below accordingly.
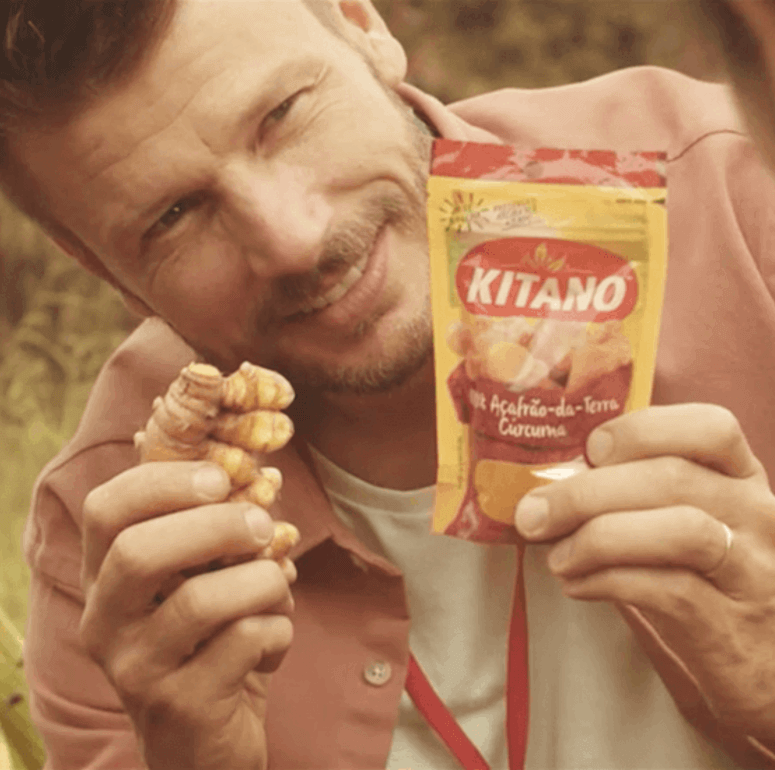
(540, 278)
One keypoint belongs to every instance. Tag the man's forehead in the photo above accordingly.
(216, 53)
(203, 34)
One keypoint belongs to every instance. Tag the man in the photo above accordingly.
(228, 166)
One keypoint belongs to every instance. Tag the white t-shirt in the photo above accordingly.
(596, 702)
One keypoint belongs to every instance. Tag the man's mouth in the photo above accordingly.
(336, 292)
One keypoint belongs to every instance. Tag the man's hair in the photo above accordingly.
(738, 49)
(59, 56)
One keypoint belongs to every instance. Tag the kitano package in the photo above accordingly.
(547, 274)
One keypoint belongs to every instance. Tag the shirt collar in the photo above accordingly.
(304, 503)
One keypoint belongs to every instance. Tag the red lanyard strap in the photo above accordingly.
(517, 676)
(438, 716)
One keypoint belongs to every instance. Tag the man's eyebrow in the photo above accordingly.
(264, 90)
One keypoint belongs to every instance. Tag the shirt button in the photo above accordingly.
(378, 673)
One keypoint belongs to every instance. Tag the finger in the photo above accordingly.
(286, 564)
(206, 603)
(262, 642)
(144, 555)
(692, 617)
(217, 673)
(219, 670)
(141, 493)
(171, 584)
(704, 433)
(289, 570)
(559, 508)
(700, 625)
(681, 536)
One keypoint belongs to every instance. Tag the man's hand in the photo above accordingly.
(645, 527)
(193, 670)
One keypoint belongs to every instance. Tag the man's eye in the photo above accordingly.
(176, 212)
(279, 112)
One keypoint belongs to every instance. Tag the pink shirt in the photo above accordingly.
(717, 338)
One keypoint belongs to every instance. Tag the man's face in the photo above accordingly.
(257, 187)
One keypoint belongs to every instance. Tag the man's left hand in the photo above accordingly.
(645, 527)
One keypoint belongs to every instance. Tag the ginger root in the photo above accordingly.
(226, 420)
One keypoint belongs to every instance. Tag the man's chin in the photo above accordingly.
(377, 378)
(383, 375)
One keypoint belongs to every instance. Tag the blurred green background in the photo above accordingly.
(58, 324)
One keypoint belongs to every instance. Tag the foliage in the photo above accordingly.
(461, 48)
(26, 748)
(59, 327)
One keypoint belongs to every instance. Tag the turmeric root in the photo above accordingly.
(285, 537)
(252, 387)
(182, 419)
(262, 491)
(259, 431)
(226, 420)
(241, 467)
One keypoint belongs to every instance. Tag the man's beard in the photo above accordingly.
(415, 343)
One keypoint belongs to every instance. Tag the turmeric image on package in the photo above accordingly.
(547, 278)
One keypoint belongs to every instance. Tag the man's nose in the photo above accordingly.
(278, 216)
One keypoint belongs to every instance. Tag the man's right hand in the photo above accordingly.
(192, 672)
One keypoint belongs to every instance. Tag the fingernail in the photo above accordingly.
(600, 444)
(532, 514)
(211, 483)
(560, 554)
(260, 525)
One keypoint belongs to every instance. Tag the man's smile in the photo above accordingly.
(341, 288)
(355, 296)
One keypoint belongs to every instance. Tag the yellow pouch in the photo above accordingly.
(547, 275)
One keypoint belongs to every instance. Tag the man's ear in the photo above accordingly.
(91, 262)
(361, 24)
